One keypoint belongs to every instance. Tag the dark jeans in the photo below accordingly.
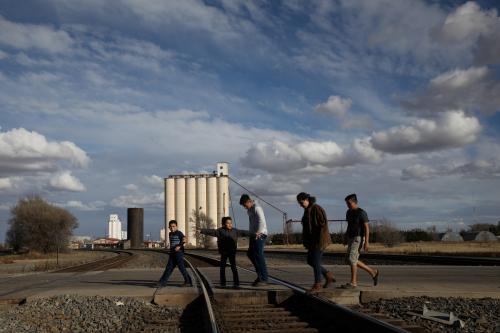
(256, 255)
(314, 260)
(175, 259)
(232, 262)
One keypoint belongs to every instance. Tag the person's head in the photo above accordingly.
(305, 199)
(351, 201)
(172, 225)
(227, 222)
(246, 201)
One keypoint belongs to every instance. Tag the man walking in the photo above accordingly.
(175, 256)
(357, 237)
(258, 235)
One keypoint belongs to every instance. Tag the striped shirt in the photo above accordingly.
(175, 239)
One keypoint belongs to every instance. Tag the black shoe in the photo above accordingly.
(236, 286)
(256, 282)
(261, 284)
(223, 285)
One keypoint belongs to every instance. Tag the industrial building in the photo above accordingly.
(187, 196)
(115, 227)
(135, 227)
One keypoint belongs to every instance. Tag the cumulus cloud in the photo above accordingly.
(139, 200)
(153, 180)
(22, 150)
(474, 89)
(79, 205)
(65, 181)
(273, 185)
(309, 156)
(31, 36)
(451, 129)
(481, 169)
(5, 184)
(131, 187)
(474, 28)
(335, 105)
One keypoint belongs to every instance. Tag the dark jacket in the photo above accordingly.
(315, 232)
(227, 240)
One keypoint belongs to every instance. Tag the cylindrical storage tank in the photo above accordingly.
(169, 202)
(190, 210)
(135, 226)
(222, 198)
(180, 203)
(201, 195)
(212, 206)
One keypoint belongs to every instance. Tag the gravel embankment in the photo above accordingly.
(89, 314)
(479, 315)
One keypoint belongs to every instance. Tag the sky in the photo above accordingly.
(397, 101)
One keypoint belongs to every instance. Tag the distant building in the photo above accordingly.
(162, 234)
(114, 227)
(106, 242)
(124, 234)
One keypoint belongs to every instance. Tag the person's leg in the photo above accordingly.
(316, 265)
(260, 260)
(168, 269)
(232, 261)
(353, 256)
(223, 260)
(180, 264)
(251, 255)
(366, 268)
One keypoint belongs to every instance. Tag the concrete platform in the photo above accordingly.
(395, 281)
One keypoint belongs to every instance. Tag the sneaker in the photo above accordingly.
(261, 284)
(329, 279)
(256, 282)
(315, 288)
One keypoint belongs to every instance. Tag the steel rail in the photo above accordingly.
(360, 320)
(203, 284)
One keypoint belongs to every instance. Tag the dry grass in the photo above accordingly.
(443, 248)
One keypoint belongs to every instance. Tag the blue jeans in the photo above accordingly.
(314, 260)
(256, 255)
(175, 259)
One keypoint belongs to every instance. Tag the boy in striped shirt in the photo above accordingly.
(176, 255)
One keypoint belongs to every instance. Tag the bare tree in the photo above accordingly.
(38, 225)
(387, 233)
(202, 221)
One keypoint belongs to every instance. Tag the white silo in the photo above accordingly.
(180, 203)
(222, 198)
(201, 195)
(190, 209)
(212, 205)
(169, 201)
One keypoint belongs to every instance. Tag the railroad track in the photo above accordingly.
(100, 265)
(300, 313)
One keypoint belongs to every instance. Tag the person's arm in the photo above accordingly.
(183, 241)
(321, 218)
(366, 226)
(262, 221)
(344, 238)
(243, 233)
(209, 232)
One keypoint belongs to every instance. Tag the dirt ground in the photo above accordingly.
(33, 262)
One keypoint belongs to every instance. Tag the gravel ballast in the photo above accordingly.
(479, 315)
(90, 314)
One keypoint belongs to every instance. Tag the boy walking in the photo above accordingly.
(258, 235)
(357, 237)
(227, 241)
(176, 256)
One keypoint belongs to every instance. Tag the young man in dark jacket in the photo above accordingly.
(357, 237)
(176, 255)
(227, 242)
(316, 238)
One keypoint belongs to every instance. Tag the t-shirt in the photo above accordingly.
(356, 218)
(175, 239)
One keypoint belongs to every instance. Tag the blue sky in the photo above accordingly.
(397, 101)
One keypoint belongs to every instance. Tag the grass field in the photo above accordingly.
(442, 248)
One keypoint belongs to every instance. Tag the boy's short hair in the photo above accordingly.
(225, 219)
(351, 197)
(244, 198)
(172, 222)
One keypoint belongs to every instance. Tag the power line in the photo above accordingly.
(256, 195)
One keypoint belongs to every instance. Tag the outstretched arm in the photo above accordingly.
(209, 232)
